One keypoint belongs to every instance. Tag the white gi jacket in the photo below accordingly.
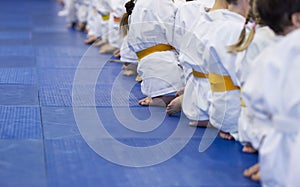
(152, 23)
(277, 104)
(195, 103)
(225, 106)
(263, 38)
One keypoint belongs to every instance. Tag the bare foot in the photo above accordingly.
(107, 49)
(249, 149)
(204, 123)
(174, 106)
(138, 78)
(90, 40)
(256, 177)
(81, 26)
(180, 92)
(99, 43)
(129, 73)
(226, 135)
(162, 101)
(116, 53)
(253, 173)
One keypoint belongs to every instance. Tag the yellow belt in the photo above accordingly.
(200, 74)
(117, 20)
(153, 49)
(105, 17)
(221, 83)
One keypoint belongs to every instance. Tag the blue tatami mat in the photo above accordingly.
(60, 51)
(72, 62)
(19, 94)
(88, 95)
(16, 50)
(22, 163)
(18, 76)
(17, 62)
(20, 123)
(188, 168)
(61, 102)
(15, 35)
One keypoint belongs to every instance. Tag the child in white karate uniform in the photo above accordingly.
(82, 8)
(150, 36)
(104, 9)
(225, 106)
(93, 24)
(114, 37)
(254, 39)
(187, 15)
(271, 95)
(195, 98)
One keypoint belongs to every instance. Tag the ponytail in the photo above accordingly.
(243, 43)
(124, 27)
(234, 48)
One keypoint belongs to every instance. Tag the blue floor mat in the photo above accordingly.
(15, 35)
(87, 95)
(17, 62)
(22, 163)
(61, 39)
(20, 123)
(17, 50)
(188, 168)
(19, 94)
(18, 76)
(73, 62)
(60, 51)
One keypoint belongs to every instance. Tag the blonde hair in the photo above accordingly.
(243, 42)
(124, 27)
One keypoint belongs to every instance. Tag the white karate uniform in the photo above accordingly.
(69, 11)
(263, 38)
(189, 29)
(82, 7)
(225, 106)
(118, 9)
(127, 55)
(278, 100)
(152, 23)
(207, 3)
(104, 8)
(94, 21)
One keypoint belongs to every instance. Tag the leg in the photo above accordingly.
(180, 92)
(175, 105)
(107, 49)
(90, 40)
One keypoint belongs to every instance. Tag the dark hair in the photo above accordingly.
(124, 20)
(277, 13)
(232, 2)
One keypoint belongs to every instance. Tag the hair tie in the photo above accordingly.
(254, 25)
(129, 7)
